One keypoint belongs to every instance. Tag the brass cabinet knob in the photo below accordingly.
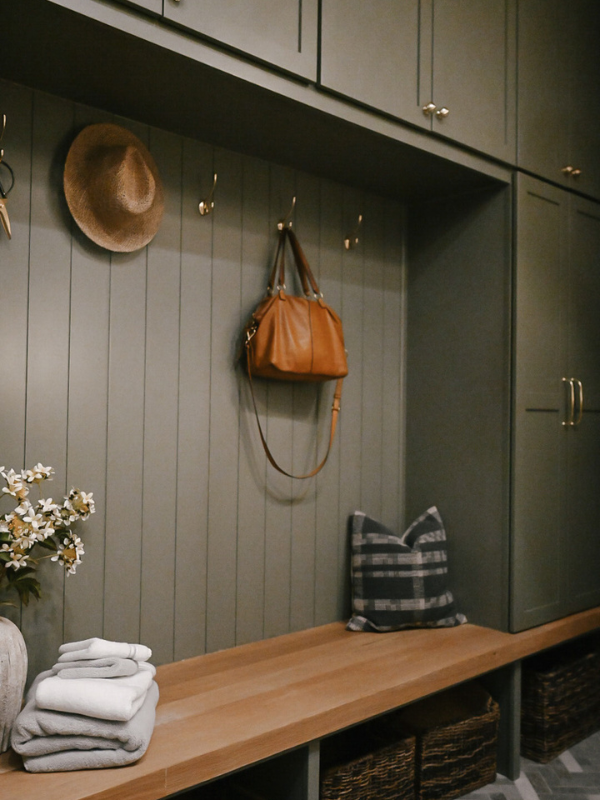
(429, 109)
(567, 170)
(441, 113)
(576, 172)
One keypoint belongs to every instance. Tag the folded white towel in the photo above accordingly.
(101, 648)
(97, 668)
(50, 741)
(102, 698)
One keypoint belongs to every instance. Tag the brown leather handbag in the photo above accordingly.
(293, 338)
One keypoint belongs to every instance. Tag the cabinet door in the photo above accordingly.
(582, 546)
(371, 54)
(474, 74)
(540, 438)
(543, 109)
(584, 97)
(279, 32)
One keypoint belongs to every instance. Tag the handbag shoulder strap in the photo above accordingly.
(335, 410)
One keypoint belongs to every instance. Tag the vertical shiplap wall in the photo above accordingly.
(119, 370)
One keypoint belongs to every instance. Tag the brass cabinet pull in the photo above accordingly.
(429, 109)
(571, 410)
(580, 401)
(441, 113)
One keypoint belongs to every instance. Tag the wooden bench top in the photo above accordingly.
(226, 710)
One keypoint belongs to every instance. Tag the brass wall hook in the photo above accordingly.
(352, 240)
(286, 222)
(206, 206)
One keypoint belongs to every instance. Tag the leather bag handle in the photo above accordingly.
(302, 264)
(335, 410)
(309, 284)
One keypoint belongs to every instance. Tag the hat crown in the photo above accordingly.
(113, 187)
(126, 182)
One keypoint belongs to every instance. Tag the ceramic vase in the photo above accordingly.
(13, 675)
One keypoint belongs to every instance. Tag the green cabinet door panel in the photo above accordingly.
(583, 468)
(474, 74)
(559, 91)
(584, 117)
(446, 65)
(555, 549)
(370, 53)
(278, 32)
(584, 299)
(543, 88)
(539, 438)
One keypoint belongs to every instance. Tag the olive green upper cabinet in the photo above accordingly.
(559, 92)
(282, 33)
(445, 65)
(473, 77)
(370, 53)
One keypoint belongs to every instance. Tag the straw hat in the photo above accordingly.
(113, 188)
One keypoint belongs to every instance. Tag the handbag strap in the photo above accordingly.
(335, 410)
(302, 265)
(309, 284)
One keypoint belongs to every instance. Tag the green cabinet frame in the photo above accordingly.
(448, 67)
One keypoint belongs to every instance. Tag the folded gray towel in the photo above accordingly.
(96, 668)
(52, 741)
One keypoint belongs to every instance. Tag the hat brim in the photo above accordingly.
(130, 232)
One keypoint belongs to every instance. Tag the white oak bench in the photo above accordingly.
(225, 711)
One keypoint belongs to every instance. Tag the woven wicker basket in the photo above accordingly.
(560, 703)
(457, 741)
(384, 772)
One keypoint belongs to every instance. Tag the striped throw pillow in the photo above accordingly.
(400, 581)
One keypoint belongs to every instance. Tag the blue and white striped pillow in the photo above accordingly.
(400, 581)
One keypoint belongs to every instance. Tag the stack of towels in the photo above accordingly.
(95, 708)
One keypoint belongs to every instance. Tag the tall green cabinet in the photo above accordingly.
(503, 397)
(555, 542)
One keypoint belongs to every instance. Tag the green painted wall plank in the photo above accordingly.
(194, 403)
(88, 398)
(48, 348)
(257, 240)
(159, 514)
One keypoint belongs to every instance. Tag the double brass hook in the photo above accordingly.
(286, 222)
(206, 206)
(352, 240)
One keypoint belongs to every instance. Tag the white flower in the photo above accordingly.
(46, 506)
(18, 559)
(23, 508)
(69, 553)
(38, 474)
(15, 485)
(81, 503)
(36, 520)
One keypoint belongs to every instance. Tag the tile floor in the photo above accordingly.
(574, 775)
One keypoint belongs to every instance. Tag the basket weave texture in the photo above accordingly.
(457, 741)
(560, 699)
(385, 773)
